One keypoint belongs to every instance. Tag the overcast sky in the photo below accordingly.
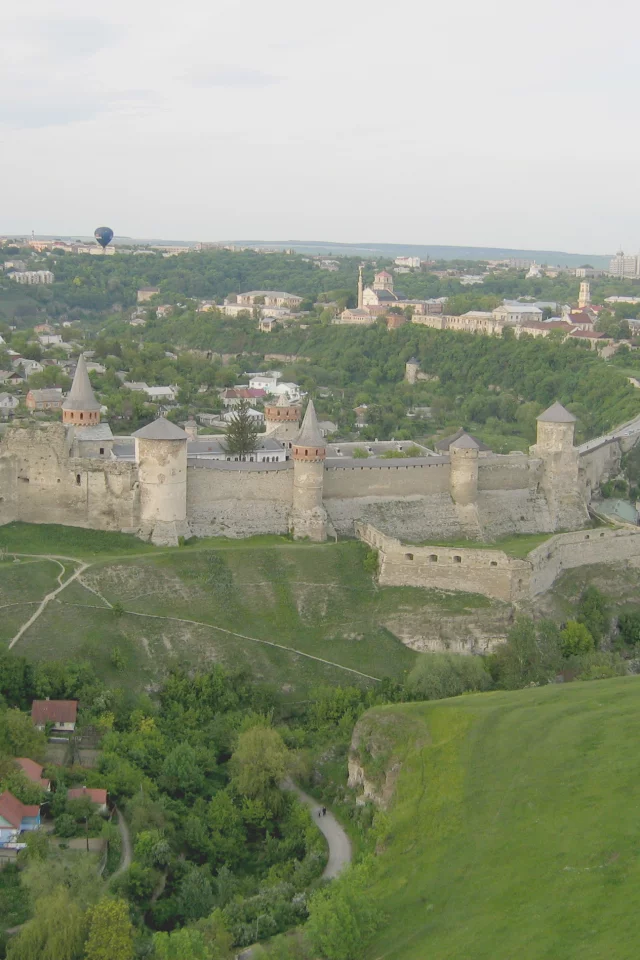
(497, 123)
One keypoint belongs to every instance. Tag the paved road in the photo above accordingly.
(338, 841)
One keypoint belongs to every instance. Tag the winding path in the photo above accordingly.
(127, 849)
(52, 595)
(339, 844)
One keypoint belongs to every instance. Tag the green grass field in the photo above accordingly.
(514, 829)
(214, 601)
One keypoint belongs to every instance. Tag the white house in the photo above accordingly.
(292, 390)
(254, 415)
(517, 312)
(29, 366)
(8, 403)
(162, 393)
(49, 339)
(264, 381)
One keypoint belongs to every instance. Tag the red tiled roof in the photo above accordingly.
(95, 794)
(32, 770)
(57, 711)
(13, 811)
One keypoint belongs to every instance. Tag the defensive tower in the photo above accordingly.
(282, 419)
(81, 407)
(464, 470)
(308, 516)
(560, 467)
(411, 368)
(161, 456)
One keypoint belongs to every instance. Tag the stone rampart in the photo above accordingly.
(489, 572)
(511, 472)
(566, 551)
(227, 499)
(387, 478)
(492, 572)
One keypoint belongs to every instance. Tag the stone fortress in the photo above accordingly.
(164, 483)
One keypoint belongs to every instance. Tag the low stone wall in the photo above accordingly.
(489, 572)
(583, 548)
(492, 572)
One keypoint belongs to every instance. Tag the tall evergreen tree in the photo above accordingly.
(242, 433)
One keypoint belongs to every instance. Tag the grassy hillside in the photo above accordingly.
(295, 615)
(514, 829)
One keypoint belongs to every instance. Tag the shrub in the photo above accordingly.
(594, 613)
(66, 826)
(439, 675)
(576, 639)
(360, 453)
(370, 562)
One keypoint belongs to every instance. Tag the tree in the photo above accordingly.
(19, 735)
(196, 894)
(182, 774)
(259, 762)
(594, 613)
(110, 931)
(532, 654)
(576, 639)
(241, 438)
(206, 940)
(629, 627)
(343, 917)
(56, 932)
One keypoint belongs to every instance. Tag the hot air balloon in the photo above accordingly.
(104, 236)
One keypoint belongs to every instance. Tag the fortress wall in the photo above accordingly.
(492, 572)
(489, 572)
(600, 463)
(568, 550)
(414, 518)
(39, 483)
(238, 503)
(512, 511)
(510, 472)
(400, 479)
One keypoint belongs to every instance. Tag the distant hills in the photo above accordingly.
(424, 251)
(433, 251)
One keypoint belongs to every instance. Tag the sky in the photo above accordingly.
(490, 124)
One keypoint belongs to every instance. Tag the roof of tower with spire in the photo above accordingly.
(81, 395)
(310, 435)
(284, 401)
(556, 413)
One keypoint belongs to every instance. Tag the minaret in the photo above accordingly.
(81, 407)
(360, 288)
(584, 300)
(308, 516)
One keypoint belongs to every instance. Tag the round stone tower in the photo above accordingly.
(81, 407)
(463, 482)
(308, 516)
(161, 455)
(282, 419)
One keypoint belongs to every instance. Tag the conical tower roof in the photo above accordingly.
(81, 395)
(310, 435)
